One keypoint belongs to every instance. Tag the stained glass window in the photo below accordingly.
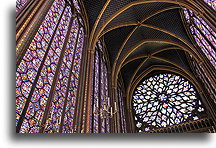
(203, 35)
(27, 69)
(72, 91)
(20, 4)
(100, 103)
(165, 100)
(204, 77)
(96, 94)
(47, 77)
(211, 3)
(122, 116)
(76, 5)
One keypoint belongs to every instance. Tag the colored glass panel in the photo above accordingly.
(54, 118)
(121, 110)
(96, 94)
(72, 90)
(76, 5)
(203, 34)
(102, 95)
(165, 100)
(207, 26)
(27, 69)
(42, 91)
(48, 25)
(100, 46)
(106, 96)
(206, 48)
(78, 53)
(211, 3)
(39, 68)
(80, 20)
(70, 108)
(100, 98)
(205, 31)
(187, 16)
(20, 4)
(204, 78)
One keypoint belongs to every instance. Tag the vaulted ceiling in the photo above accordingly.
(140, 36)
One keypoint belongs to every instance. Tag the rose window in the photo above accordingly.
(165, 100)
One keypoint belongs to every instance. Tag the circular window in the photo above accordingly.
(165, 100)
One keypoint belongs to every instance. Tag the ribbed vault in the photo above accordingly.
(141, 34)
(142, 37)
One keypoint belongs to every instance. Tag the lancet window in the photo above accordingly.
(48, 75)
(100, 97)
(203, 34)
(121, 105)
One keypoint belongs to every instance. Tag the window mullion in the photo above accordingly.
(210, 43)
(206, 48)
(99, 93)
(69, 80)
(210, 31)
(55, 79)
(92, 97)
(37, 76)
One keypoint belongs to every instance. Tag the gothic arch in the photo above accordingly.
(166, 69)
(193, 6)
(68, 82)
(48, 68)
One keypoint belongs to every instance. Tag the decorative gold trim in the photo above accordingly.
(138, 23)
(165, 68)
(165, 60)
(182, 3)
(140, 44)
(144, 56)
(96, 24)
(179, 125)
(27, 21)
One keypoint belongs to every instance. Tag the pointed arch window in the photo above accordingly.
(121, 105)
(100, 98)
(204, 77)
(203, 34)
(48, 75)
(165, 100)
